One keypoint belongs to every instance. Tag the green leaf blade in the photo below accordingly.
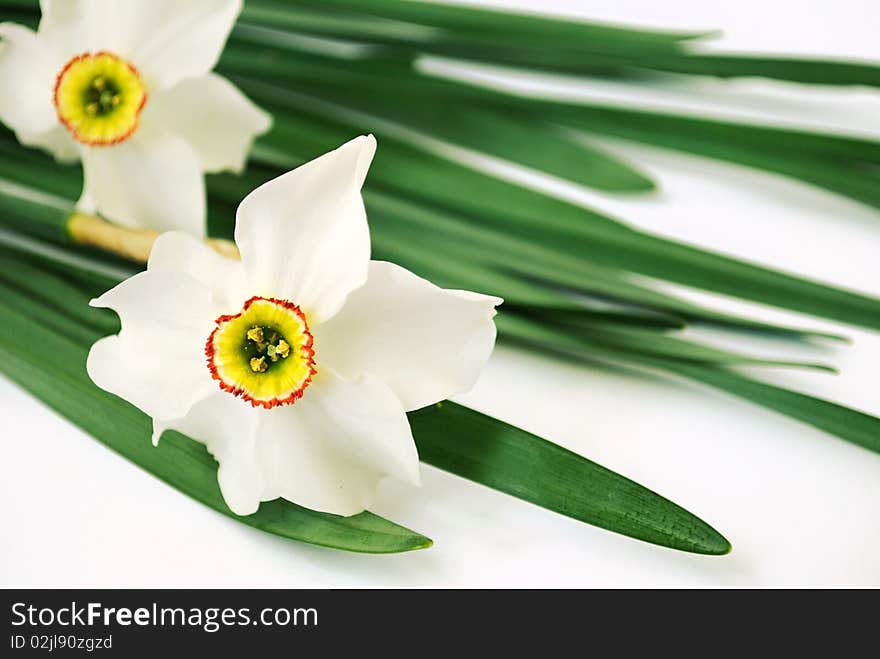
(503, 134)
(852, 425)
(557, 479)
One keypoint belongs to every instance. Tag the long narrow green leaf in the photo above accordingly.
(41, 213)
(470, 115)
(851, 425)
(802, 69)
(555, 478)
(526, 40)
(305, 125)
(21, 303)
(60, 293)
(641, 341)
(611, 315)
(538, 42)
(532, 144)
(507, 135)
(694, 267)
(835, 162)
(506, 249)
(83, 273)
(627, 344)
(465, 255)
(463, 243)
(479, 196)
(831, 161)
(466, 23)
(582, 233)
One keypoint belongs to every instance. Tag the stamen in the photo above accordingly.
(263, 354)
(98, 98)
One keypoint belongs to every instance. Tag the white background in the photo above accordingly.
(799, 506)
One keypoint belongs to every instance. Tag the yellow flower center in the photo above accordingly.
(98, 98)
(263, 353)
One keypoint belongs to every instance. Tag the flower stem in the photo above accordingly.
(132, 244)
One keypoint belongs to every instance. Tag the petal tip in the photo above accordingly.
(240, 508)
(98, 353)
(159, 429)
(167, 240)
(366, 145)
(415, 477)
(264, 121)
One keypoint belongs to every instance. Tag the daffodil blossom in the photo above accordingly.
(126, 86)
(296, 365)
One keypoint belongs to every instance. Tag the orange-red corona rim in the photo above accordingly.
(99, 97)
(264, 354)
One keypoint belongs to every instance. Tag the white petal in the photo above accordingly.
(57, 141)
(363, 418)
(176, 252)
(59, 15)
(181, 40)
(217, 120)
(228, 427)
(304, 237)
(152, 180)
(79, 26)
(167, 40)
(28, 67)
(330, 450)
(326, 452)
(157, 361)
(425, 342)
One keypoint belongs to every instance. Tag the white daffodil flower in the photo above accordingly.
(296, 365)
(126, 87)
